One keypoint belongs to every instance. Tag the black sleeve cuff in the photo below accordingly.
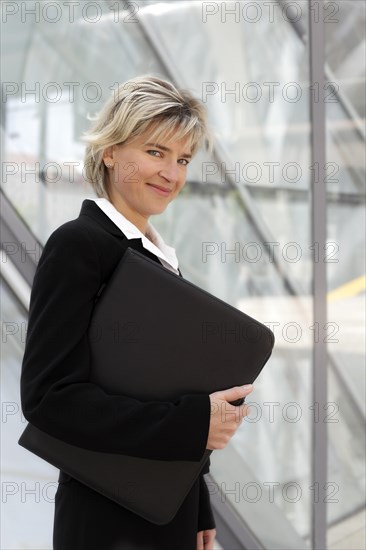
(206, 518)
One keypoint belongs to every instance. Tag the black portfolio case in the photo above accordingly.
(176, 339)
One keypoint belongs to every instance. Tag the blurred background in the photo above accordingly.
(242, 228)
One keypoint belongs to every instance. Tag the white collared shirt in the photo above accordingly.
(156, 245)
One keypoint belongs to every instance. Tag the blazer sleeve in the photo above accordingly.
(56, 394)
(206, 518)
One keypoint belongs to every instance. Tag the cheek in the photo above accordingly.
(127, 176)
(130, 174)
(139, 172)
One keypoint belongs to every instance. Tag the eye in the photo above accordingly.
(185, 162)
(152, 151)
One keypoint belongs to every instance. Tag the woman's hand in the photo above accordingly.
(205, 539)
(225, 418)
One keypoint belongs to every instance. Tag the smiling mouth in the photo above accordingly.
(160, 189)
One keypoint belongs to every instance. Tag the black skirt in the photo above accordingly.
(86, 520)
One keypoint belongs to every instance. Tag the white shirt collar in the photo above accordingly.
(156, 245)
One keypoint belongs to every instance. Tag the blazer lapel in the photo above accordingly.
(92, 210)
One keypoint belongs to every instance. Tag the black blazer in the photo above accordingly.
(58, 398)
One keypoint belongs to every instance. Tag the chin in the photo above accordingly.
(158, 210)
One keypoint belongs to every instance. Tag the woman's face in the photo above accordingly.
(146, 176)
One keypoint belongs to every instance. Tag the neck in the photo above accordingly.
(131, 215)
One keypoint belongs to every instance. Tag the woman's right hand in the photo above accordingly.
(225, 418)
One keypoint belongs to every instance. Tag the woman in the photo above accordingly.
(136, 161)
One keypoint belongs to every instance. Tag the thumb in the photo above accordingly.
(234, 393)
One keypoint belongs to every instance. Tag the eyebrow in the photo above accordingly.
(163, 148)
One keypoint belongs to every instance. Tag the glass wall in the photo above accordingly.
(345, 148)
(28, 485)
(242, 224)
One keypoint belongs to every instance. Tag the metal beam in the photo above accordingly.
(319, 229)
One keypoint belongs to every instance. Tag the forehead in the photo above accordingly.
(164, 141)
(168, 137)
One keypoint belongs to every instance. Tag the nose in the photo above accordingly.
(170, 171)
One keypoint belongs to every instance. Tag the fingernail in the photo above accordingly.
(247, 386)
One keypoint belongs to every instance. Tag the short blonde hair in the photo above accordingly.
(137, 105)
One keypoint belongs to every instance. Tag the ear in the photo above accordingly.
(108, 154)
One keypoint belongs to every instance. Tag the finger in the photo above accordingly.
(208, 540)
(200, 541)
(237, 392)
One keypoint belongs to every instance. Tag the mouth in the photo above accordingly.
(160, 190)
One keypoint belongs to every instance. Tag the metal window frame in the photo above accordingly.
(319, 231)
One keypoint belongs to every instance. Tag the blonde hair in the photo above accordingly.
(137, 105)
